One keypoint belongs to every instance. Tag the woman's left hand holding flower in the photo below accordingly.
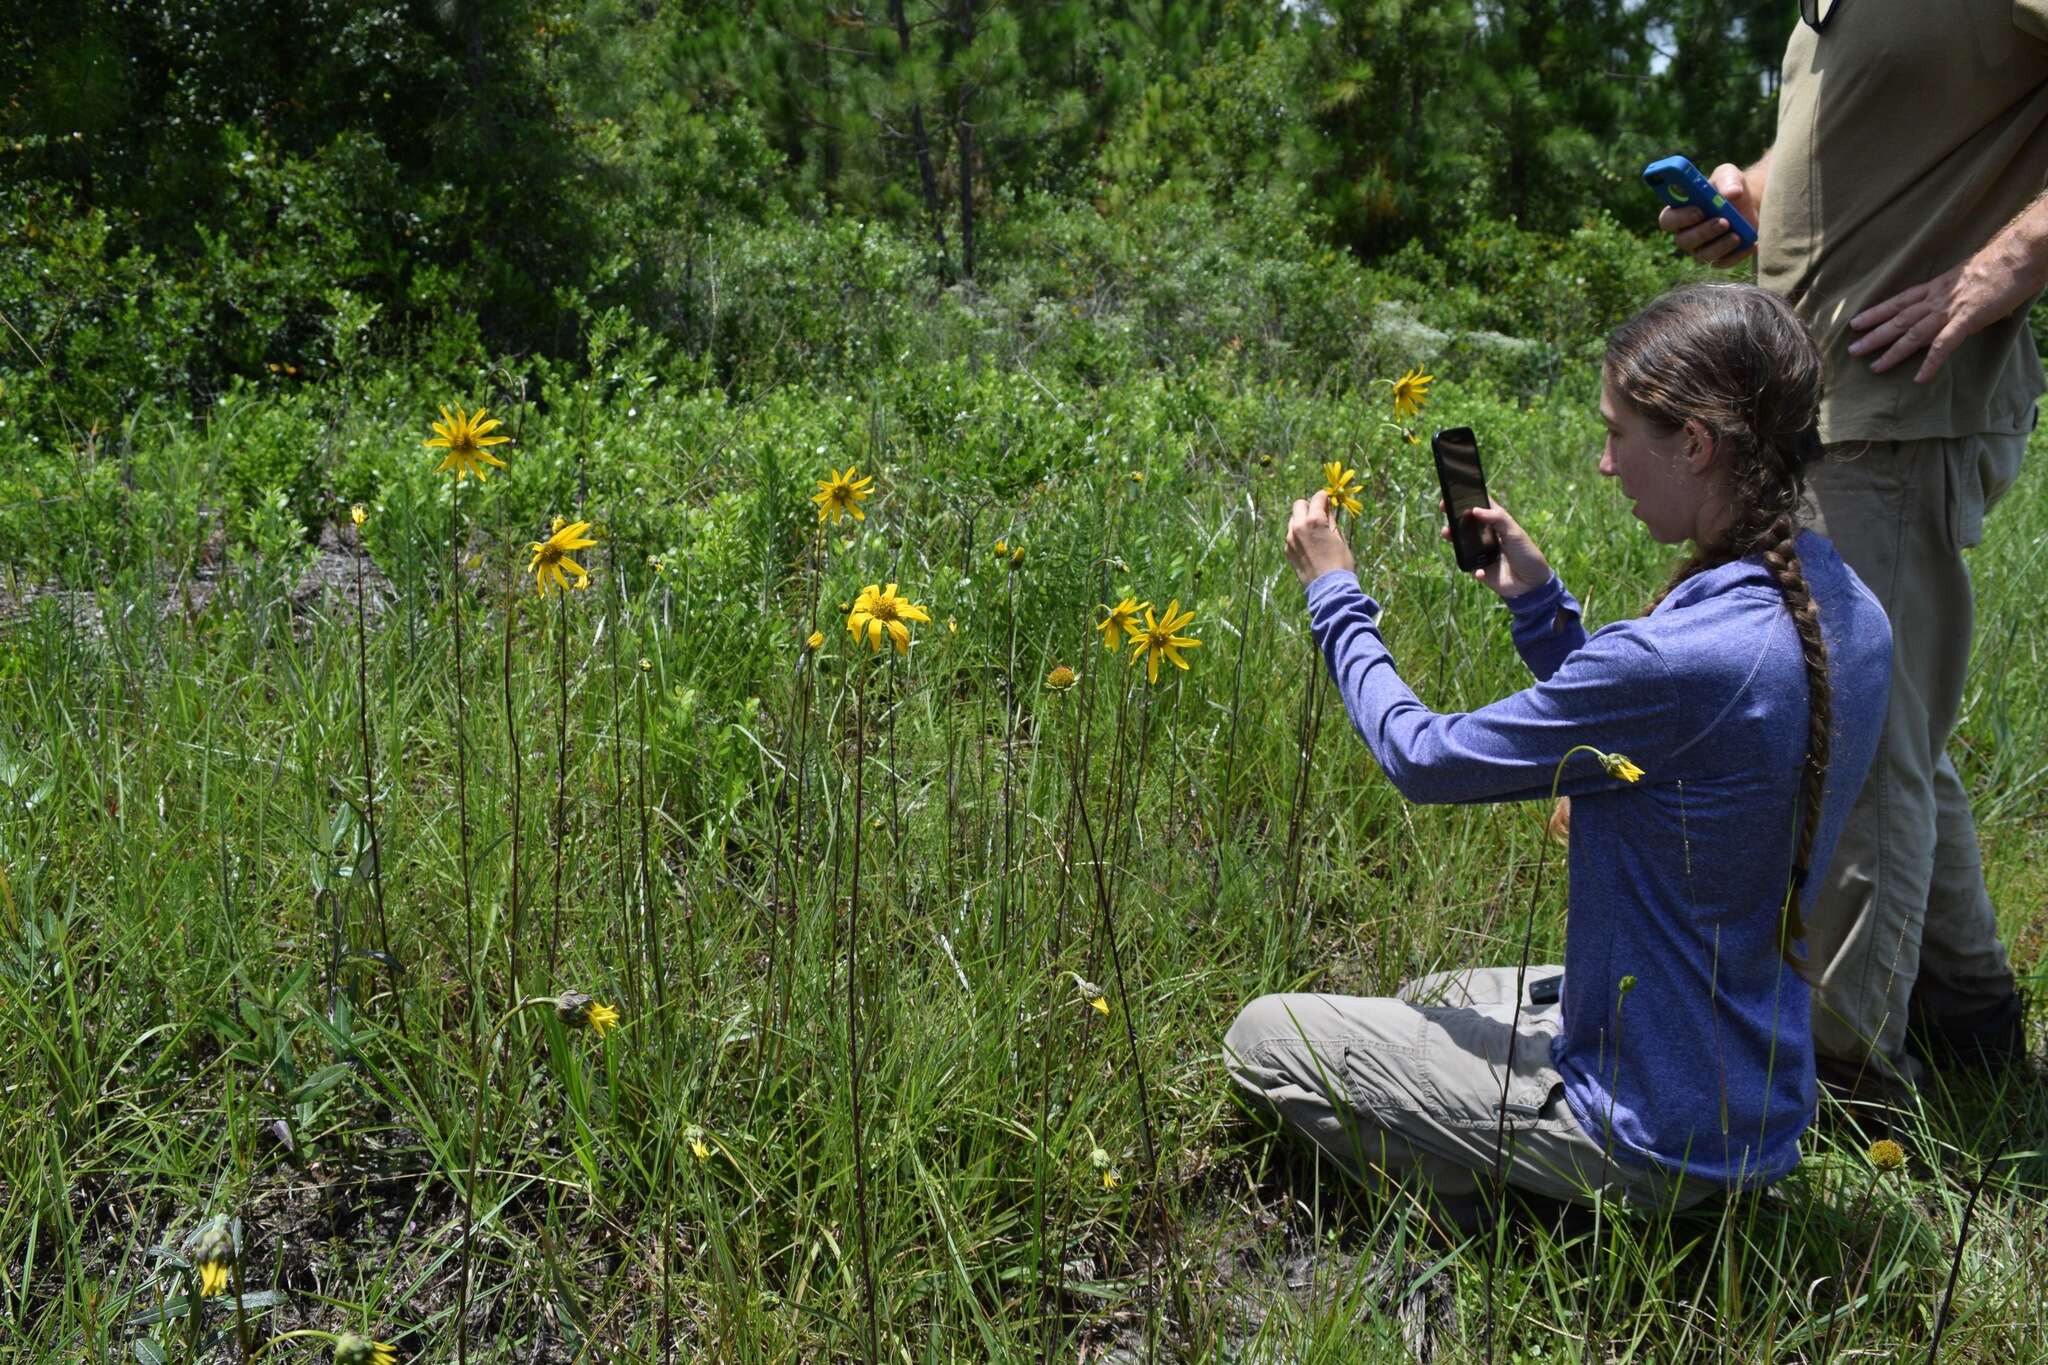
(1314, 544)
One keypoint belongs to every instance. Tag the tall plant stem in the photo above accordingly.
(241, 1309)
(561, 762)
(1306, 725)
(853, 1067)
(476, 1130)
(514, 905)
(1827, 1350)
(789, 831)
(650, 923)
(370, 795)
(1105, 899)
(456, 591)
(1244, 642)
(1955, 1265)
(1009, 772)
(629, 955)
(1048, 1295)
(1500, 1129)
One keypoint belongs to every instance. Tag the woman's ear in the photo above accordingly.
(1699, 447)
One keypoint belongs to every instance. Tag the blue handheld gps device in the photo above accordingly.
(1678, 181)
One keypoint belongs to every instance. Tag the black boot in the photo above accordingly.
(1988, 1039)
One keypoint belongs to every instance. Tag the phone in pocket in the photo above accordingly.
(1463, 483)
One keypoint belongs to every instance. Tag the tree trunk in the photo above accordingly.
(963, 132)
(927, 176)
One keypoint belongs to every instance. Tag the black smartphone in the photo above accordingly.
(1464, 487)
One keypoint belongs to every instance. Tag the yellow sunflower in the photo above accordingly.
(1159, 638)
(1411, 391)
(467, 439)
(551, 562)
(1119, 622)
(843, 493)
(1342, 486)
(878, 610)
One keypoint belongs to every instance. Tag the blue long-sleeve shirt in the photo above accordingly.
(1677, 880)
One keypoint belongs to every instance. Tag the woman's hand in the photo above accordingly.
(1521, 567)
(1560, 825)
(1314, 544)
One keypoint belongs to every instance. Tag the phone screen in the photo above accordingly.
(1464, 488)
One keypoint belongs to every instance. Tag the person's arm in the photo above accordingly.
(1710, 241)
(1949, 309)
(1613, 694)
(1546, 626)
(1544, 619)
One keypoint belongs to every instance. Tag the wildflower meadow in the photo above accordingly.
(650, 710)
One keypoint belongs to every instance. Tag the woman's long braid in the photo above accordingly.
(1782, 558)
(1736, 360)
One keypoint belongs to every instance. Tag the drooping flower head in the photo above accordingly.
(551, 562)
(814, 640)
(1091, 994)
(1160, 638)
(350, 1349)
(1411, 391)
(358, 514)
(879, 611)
(1342, 486)
(843, 493)
(577, 1010)
(693, 1138)
(213, 1253)
(1618, 765)
(467, 439)
(1118, 621)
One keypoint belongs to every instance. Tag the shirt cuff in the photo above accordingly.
(1335, 583)
(1537, 602)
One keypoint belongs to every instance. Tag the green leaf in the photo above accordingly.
(324, 1080)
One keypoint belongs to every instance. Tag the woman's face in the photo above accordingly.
(1661, 473)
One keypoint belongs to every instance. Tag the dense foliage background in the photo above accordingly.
(202, 195)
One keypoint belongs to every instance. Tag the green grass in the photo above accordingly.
(187, 925)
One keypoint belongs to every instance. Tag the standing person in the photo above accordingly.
(1674, 1059)
(1900, 212)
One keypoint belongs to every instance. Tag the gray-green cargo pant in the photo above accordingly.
(1411, 1087)
(1904, 900)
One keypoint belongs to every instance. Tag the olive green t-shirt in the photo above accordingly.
(1909, 133)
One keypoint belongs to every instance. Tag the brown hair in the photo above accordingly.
(1735, 359)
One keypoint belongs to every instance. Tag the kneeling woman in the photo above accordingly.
(1674, 1059)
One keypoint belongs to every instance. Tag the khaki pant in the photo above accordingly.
(1411, 1087)
(1904, 900)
